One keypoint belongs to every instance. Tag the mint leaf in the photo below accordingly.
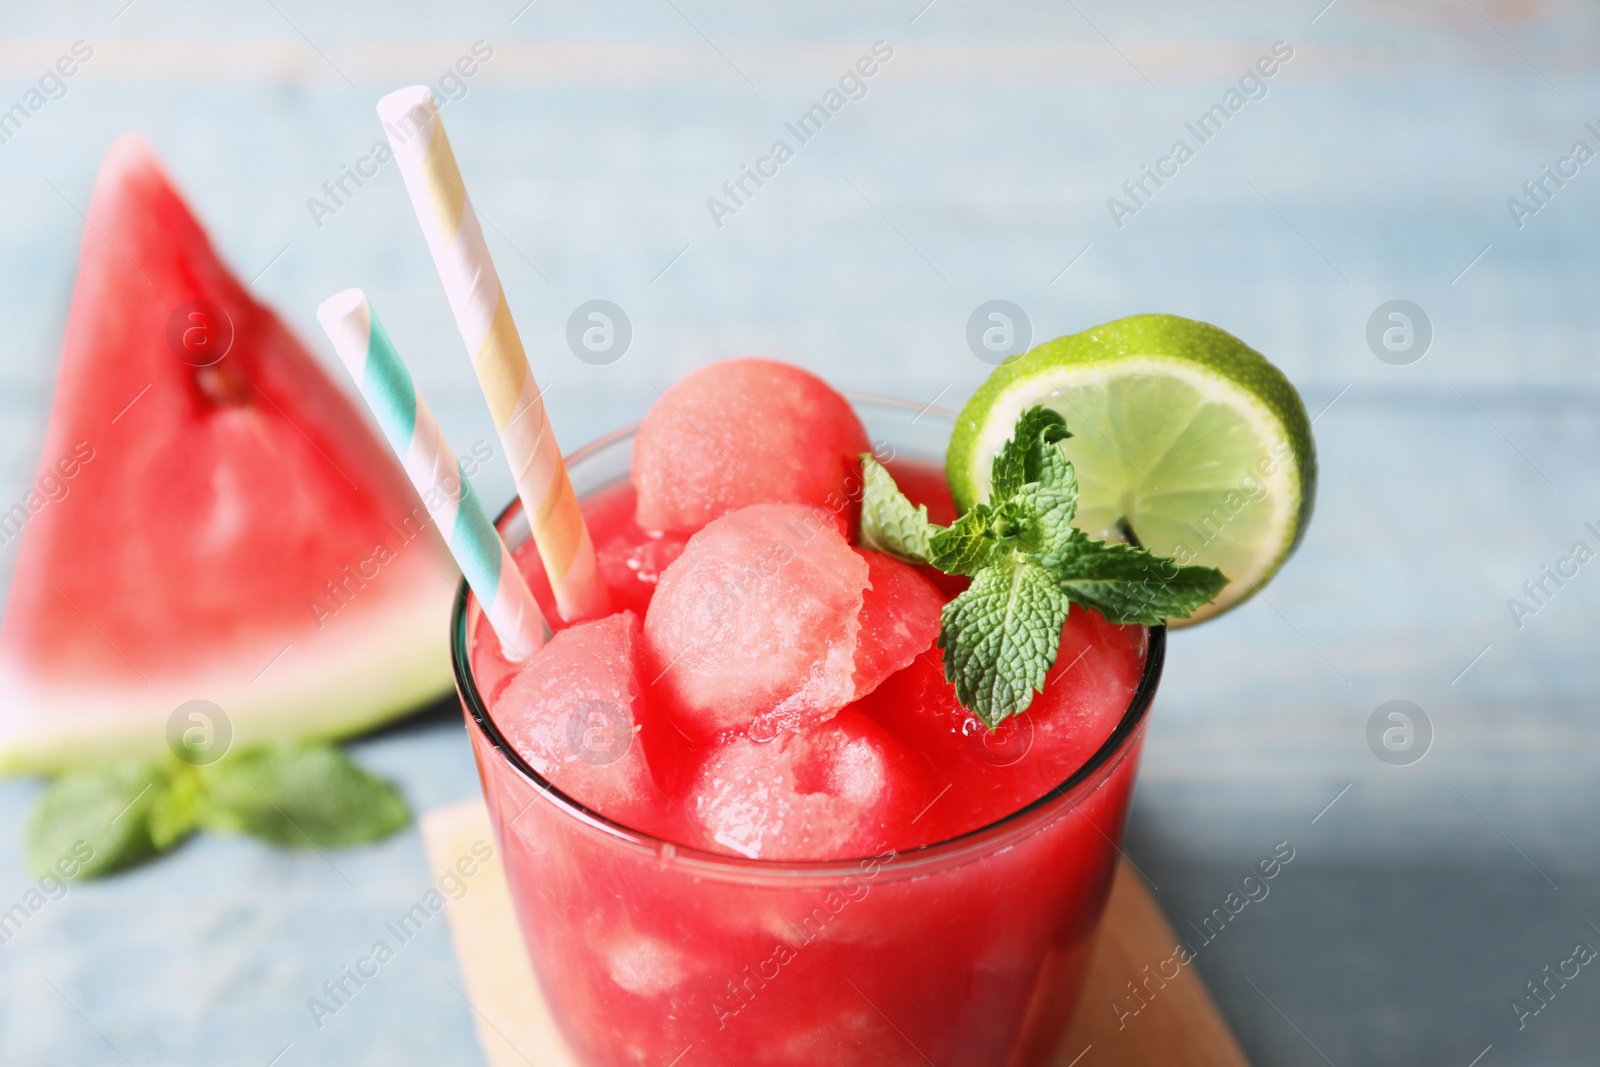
(1027, 563)
(1018, 461)
(96, 819)
(300, 796)
(889, 522)
(176, 810)
(1051, 501)
(1047, 463)
(965, 547)
(1131, 585)
(1001, 636)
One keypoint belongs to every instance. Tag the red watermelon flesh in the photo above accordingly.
(577, 713)
(827, 790)
(237, 534)
(742, 432)
(899, 616)
(631, 558)
(755, 623)
(1085, 695)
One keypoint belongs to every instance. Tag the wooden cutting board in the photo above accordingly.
(1179, 1026)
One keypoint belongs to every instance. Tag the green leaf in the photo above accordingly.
(964, 548)
(301, 796)
(1000, 637)
(889, 522)
(95, 820)
(1052, 502)
(1019, 460)
(176, 810)
(1048, 465)
(1028, 564)
(1131, 585)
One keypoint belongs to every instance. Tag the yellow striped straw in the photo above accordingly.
(439, 196)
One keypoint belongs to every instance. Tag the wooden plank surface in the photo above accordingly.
(1178, 1025)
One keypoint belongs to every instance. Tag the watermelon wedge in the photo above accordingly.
(213, 519)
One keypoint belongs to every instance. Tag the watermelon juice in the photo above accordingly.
(893, 884)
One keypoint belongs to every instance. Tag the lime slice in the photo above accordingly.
(1183, 435)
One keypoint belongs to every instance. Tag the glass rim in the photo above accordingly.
(953, 849)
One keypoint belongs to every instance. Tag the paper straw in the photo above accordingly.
(438, 195)
(366, 350)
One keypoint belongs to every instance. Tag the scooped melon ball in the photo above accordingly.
(829, 790)
(742, 432)
(575, 711)
(754, 626)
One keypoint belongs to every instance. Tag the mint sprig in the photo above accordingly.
(1028, 564)
(114, 815)
(1001, 634)
(894, 524)
(301, 796)
(1127, 584)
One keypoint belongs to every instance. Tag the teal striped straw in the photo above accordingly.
(413, 433)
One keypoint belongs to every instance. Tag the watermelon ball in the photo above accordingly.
(993, 774)
(755, 624)
(747, 431)
(899, 620)
(574, 712)
(831, 790)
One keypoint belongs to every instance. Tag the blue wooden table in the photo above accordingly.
(986, 158)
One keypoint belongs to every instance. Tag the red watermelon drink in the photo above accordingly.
(746, 820)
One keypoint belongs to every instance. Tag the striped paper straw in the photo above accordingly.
(365, 348)
(411, 120)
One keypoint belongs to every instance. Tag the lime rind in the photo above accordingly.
(1182, 431)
